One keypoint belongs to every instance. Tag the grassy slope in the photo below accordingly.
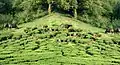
(40, 49)
(57, 18)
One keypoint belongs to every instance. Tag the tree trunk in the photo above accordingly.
(75, 13)
(49, 9)
(111, 18)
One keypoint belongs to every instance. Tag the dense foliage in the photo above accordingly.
(100, 13)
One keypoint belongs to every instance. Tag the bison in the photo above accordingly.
(8, 25)
(66, 25)
(109, 30)
(117, 30)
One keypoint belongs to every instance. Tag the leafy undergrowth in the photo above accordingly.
(58, 44)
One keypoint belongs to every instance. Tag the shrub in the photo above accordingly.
(115, 23)
(41, 36)
(108, 41)
(3, 38)
(4, 18)
(25, 36)
(34, 28)
(89, 50)
(71, 30)
(6, 35)
(17, 36)
(89, 36)
(26, 30)
(116, 41)
(84, 41)
(79, 30)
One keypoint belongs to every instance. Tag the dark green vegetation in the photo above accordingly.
(58, 40)
(99, 13)
(52, 32)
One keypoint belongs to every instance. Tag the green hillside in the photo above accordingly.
(58, 19)
(49, 41)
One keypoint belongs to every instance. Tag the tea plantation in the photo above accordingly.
(58, 40)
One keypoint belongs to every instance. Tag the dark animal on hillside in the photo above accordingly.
(117, 30)
(66, 25)
(71, 30)
(8, 25)
(13, 26)
(45, 26)
(109, 30)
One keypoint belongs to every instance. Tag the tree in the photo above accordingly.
(2, 8)
(117, 11)
(50, 2)
(74, 6)
(27, 10)
(5, 6)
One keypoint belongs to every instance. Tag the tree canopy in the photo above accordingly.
(96, 12)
